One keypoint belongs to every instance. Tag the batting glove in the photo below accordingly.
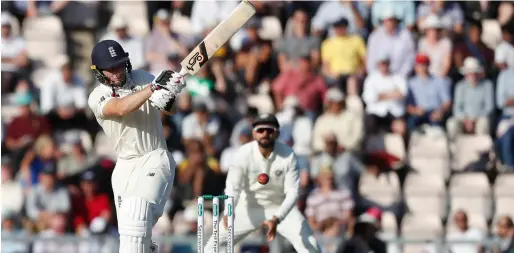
(169, 80)
(162, 100)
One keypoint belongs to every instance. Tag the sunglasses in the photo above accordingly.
(267, 130)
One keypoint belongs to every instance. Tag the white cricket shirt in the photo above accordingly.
(136, 133)
(283, 186)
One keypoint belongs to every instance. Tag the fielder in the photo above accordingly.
(270, 203)
(126, 104)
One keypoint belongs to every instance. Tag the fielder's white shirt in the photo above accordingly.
(283, 186)
(138, 132)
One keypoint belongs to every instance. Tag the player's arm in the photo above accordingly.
(291, 189)
(118, 107)
(236, 177)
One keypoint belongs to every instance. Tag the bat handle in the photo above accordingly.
(183, 72)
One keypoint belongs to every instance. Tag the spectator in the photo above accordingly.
(404, 11)
(202, 83)
(43, 154)
(12, 191)
(76, 161)
(473, 47)
(464, 233)
(58, 225)
(201, 124)
(330, 235)
(46, 199)
(347, 125)
(428, 100)
(91, 207)
(11, 227)
(326, 202)
(506, 145)
(14, 55)
(299, 44)
(199, 174)
(23, 130)
(505, 100)
(437, 47)
(504, 52)
(364, 238)
(133, 45)
(505, 232)
(245, 122)
(474, 101)
(161, 43)
(206, 13)
(63, 90)
(303, 83)
(253, 61)
(227, 156)
(330, 11)
(450, 13)
(394, 41)
(171, 133)
(384, 94)
(342, 55)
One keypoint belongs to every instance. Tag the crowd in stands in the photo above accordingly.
(401, 114)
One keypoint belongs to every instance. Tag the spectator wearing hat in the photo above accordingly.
(227, 156)
(472, 46)
(327, 201)
(473, 103)
(436, 47)
(330, 11)
(450, 13)
(346, 124)
(342, 55)
(162, 42)
(14, 54)
(405, 11)
(505, 233)
(201, 124)
(12, 191)
(304, 84)
(298, 44)
(504, 52)
(384, 95)
(428, 99)
(91, 207)
(133, 45)
(23, 130)
(47, 198)
(389, 38)
(365, 234)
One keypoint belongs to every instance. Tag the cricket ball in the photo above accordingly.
(263, 178)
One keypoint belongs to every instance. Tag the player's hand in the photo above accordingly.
(169, 80)
(162, 100)
(271, 225)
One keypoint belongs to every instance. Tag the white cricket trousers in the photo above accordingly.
(141, 188)
(247, 219)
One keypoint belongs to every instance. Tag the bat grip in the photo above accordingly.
(183, 72)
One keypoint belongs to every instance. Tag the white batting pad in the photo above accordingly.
(135, 226)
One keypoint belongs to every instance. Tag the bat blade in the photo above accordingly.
(217, 38)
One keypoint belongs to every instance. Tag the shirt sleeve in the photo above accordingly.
(458, 106)
(489, 99)
(97, 100)
(291, 189)
(501, 94)
(370, 95)
(64, 201)
(32, 210)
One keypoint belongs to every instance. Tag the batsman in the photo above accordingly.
(127, 105)
(263, 180)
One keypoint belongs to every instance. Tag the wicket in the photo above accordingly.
(215, 222)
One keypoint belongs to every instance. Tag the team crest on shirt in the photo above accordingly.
(278, 173)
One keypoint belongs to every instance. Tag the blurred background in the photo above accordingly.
(400, 112)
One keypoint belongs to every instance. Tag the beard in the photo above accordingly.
(266, 143)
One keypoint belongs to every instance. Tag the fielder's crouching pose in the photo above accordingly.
(126, 104)
(271, 204)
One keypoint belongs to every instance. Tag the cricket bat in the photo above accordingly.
(217, 38)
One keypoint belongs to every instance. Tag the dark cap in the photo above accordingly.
(49, 169)
(341, 22)
(88, 175)
(108, 54)
(266, 119)
(200, 106)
